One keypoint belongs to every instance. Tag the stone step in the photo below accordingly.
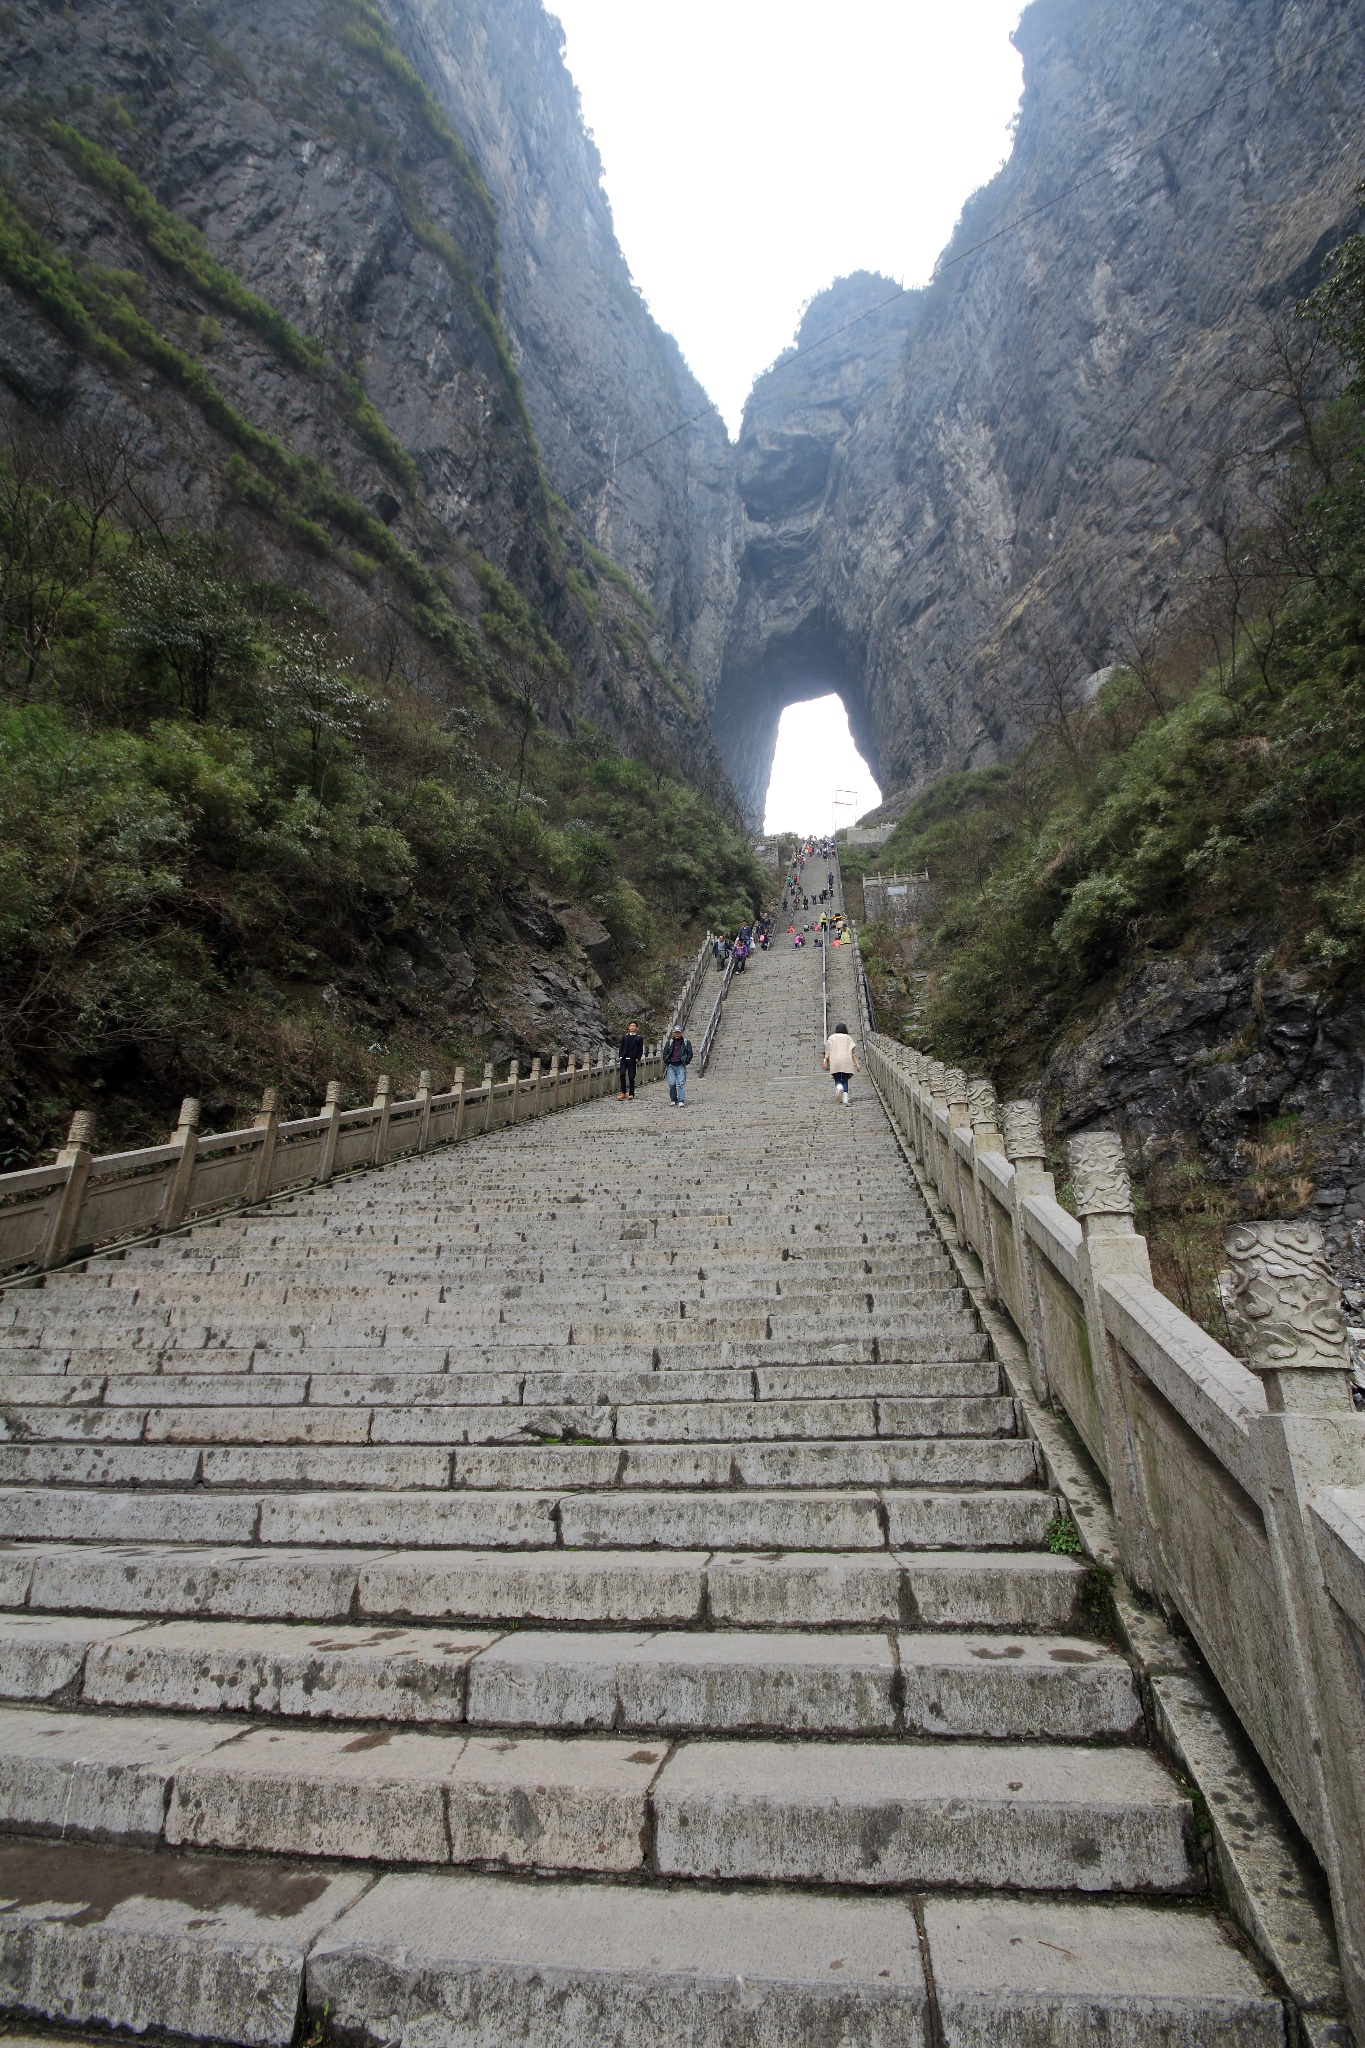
(846, 1519)
(481, 1295)
(293, 1352)
(953, 1589)
(709, 1681)
(955, 1813)
(935, 1461)
(997, 1815)
(187, 1330)
(587, 1388)
(308, 1466)
(573, 1963)
(709, 1421)
(197, 1948)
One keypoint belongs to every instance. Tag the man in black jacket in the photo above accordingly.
(629, 1053)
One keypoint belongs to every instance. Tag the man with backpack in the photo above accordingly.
(629, 1054)
(679, 1059)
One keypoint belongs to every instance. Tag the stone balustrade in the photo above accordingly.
(50, 1214)
(1237, 1481)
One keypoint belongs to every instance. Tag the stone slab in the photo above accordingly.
(108, 1516)
(517, 1521)
(713, 1679)
(42, 1657)
(416, 1798)
(994, 1589)
(181, 1580)
(552, 1586)
(84, 1774)
(196, 1948)
(804, 1589)
(1020, 1973)
(980, 1520)
(999, 1814)
(1060, 1688)
(280, 1668)
(470, 1962)
(737, 1521)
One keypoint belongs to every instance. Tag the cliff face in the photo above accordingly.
(412, 190)
(974, 481)
(601, 378)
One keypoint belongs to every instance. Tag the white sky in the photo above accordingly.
(816, 759)
(755, 150)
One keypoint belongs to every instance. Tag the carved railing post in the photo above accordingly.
(935, 1082)
(950, 1193)
(535, 1087)
(554, 1080)
(488, 1095)
(383, 1102)
(457, 1090)
(186, 1136)
(983, 1112)
(75, 1156)
(514, 1078)
(331, 1109)
(1284, 1313)
(919, 1071)
(1021, 1129)
(424, 1097)
(268, 1124)
(1110, 1246)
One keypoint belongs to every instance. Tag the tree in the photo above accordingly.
(178, 612)
(316, 695)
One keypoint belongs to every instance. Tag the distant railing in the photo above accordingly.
(50, 1214)
(713, 1023)
(1238, 1483)
(696, 974)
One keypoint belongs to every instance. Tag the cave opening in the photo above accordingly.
(819, 780)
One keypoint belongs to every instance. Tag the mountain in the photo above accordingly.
(953, 501)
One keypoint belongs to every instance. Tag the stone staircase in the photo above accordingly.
(589, 1587)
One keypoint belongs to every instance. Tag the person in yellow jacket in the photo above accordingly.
(841, 1060)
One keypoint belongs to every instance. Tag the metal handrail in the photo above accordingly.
(824, 987)
(713, 1026)
(682, 1009)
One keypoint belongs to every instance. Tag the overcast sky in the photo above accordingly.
(755, 150)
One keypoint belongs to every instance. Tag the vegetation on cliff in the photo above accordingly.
(1215, 778)
(232, 848)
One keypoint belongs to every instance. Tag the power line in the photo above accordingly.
(1136, 148)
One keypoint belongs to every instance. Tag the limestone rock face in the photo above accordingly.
(601, 378)
(411, 187)
(932, 488)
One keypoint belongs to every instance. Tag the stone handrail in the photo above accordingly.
(1238, 1485)
(49, 1214)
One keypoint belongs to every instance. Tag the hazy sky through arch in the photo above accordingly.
(816, 762)
(755, 150)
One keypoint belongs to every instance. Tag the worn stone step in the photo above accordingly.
(934, 1461)
(559, 1803)
(196, 1948)
(562, 1964)
(1024, 1816)
(737, 1681)
(743, 1681)
(941, 1589)
(994, 1815)
(109, 1515)
(503, 1961)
